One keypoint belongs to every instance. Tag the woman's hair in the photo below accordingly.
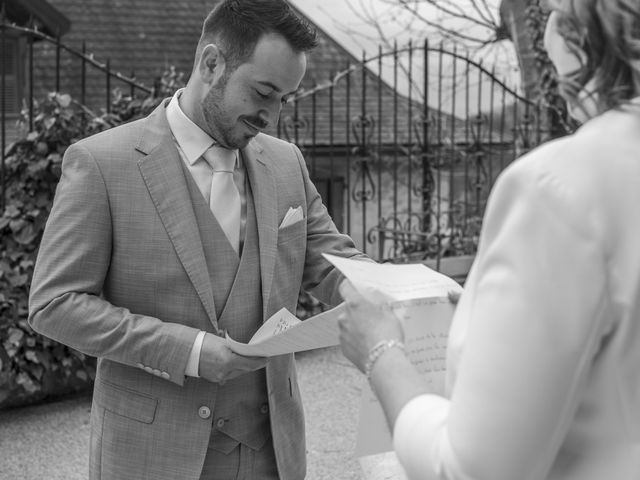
(606, 34)
(236, 26)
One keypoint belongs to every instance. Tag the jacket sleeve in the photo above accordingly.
(65, 301)
(320, 277)
(534, 310)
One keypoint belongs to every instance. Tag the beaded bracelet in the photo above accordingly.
(376, 352)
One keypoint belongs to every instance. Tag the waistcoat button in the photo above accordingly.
(220, 422)
(264, 408)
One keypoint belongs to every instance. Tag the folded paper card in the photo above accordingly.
(284, 333)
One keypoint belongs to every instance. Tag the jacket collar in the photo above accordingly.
(167, 186)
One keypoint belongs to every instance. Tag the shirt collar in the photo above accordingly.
(192, 140)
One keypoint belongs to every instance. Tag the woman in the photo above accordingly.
(543, 367)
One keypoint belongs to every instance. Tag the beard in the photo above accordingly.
(216, 116)
(224, 128)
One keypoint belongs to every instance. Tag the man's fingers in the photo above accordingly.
(250, 363)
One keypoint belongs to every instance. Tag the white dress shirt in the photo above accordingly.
(544, 351)
(192, 142)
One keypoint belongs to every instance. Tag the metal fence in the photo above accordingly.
(17, 99)
(404, 146)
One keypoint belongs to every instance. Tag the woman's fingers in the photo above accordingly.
(454, 296)
(346, 289)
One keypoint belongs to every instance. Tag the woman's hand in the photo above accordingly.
(363, 325)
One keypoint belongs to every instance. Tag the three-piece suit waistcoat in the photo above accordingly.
(241, 409)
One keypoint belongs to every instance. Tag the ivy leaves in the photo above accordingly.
(31, 366)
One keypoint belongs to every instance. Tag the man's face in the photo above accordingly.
(245, 101)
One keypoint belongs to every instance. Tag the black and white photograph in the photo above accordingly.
(319, 239)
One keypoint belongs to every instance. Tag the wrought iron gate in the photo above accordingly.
(404, 146)
(412, 139)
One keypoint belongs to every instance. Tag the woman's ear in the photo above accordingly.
(211, 64)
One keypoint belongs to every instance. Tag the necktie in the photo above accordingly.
(224, 201)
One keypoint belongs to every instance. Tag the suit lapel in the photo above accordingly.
(164, 178)
(265, 199)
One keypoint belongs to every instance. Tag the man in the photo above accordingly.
(140, 266)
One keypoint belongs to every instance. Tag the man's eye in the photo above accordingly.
(264, 96)
(285, 100)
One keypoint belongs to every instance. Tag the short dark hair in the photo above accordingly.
(236, 26)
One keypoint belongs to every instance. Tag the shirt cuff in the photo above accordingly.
(194, 357)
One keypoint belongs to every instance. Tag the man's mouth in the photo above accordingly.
(252, 126)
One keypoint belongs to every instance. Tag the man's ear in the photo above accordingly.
(211, 65)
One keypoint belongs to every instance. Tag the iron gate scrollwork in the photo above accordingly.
(408, 151)
(420, 156)
(363, 130)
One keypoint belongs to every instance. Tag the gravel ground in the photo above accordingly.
(50, 441)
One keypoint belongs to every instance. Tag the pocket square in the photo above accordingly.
(293, 215)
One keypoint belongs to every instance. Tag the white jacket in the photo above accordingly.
(544, 353)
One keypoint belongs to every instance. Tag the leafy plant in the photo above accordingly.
(33, 367)
(557, 120)
(308, 305)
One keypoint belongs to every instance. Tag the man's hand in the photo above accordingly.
(219, 364)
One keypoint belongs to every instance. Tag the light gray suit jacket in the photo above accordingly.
(121, 275)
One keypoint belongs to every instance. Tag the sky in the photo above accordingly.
(336, 17)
